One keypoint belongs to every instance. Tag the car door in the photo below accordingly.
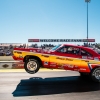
(68, 60)
(69, 51)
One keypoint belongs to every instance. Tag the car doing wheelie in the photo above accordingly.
(68, 57)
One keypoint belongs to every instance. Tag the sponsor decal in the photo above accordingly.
(45, 63)
(69, 59)
(85, 60)
(5, 66)
(96, 58)
(60, 66)
(20, 65)
(60, 58)
(84, 57)
(70, 66)
(53, 64)
(90, 58)
(14, 65)
(66, 65)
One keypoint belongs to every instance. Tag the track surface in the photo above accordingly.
(46, 85)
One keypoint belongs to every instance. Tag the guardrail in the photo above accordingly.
(7, 62)
(6, 58)
(11, 65)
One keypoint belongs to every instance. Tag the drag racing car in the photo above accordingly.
(67, 57)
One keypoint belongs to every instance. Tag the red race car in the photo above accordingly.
(68, 57)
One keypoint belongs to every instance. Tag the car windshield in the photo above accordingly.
(56, 47)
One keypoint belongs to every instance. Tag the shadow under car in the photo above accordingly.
(54, 85)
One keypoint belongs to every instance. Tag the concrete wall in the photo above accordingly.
(6, 58)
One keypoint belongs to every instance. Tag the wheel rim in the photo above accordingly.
(97, 74)
(31, 65)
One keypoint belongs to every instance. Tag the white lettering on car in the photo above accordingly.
(84, 57)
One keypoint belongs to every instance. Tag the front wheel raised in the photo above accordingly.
(32, 66)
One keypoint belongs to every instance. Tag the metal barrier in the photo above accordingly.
(6, 58)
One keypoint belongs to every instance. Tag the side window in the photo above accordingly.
(69, 50)
(62, 49)
(85, 53)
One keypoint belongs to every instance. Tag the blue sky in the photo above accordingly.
(48, 19)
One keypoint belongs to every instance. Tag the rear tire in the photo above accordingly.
(32, 66)
(95, 75)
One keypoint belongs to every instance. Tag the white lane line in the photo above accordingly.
(23, 70)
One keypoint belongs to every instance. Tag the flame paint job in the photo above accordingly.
(56, 60)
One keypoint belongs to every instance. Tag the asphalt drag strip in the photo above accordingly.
(47, 85)
(23, 70)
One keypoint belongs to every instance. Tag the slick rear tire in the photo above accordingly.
(95, 75)
(32, 66)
